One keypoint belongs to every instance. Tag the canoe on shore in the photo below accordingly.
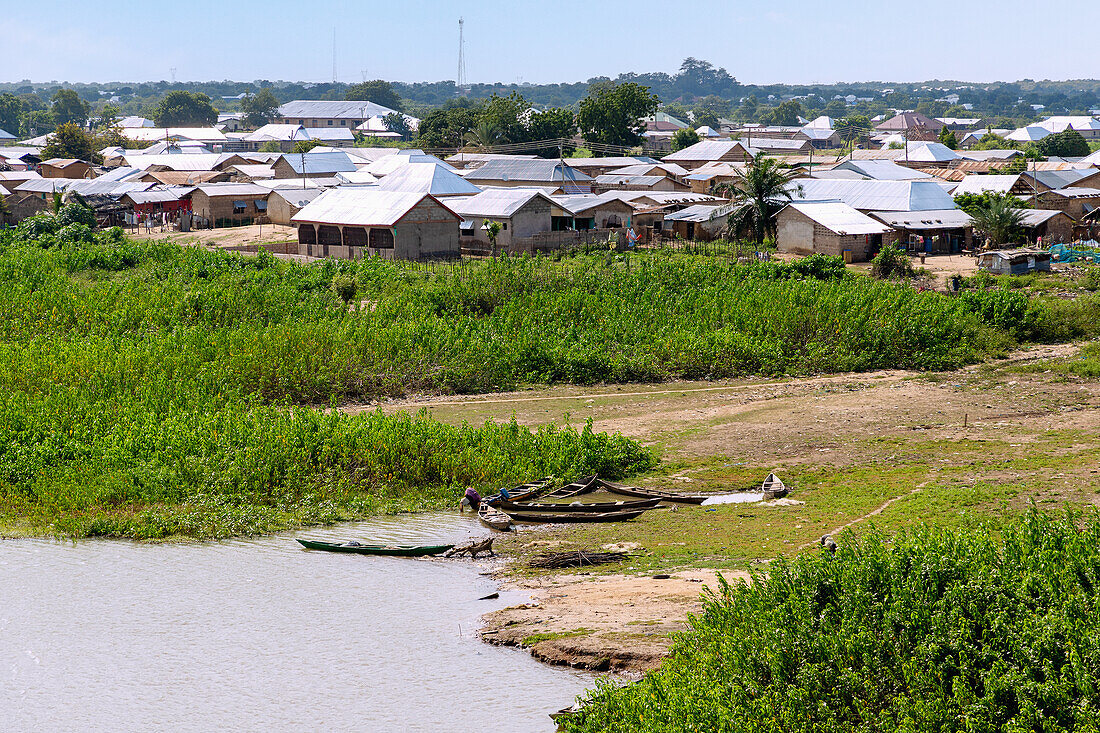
(649, 493)
(584, 485)
(575, 517)
(599, 507)
(773, 487)
(529, 490)
(493, 518)
(391, 550)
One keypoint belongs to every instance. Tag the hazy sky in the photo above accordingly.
(798, 41)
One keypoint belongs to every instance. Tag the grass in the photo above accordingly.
(536, 638)
(937, 629)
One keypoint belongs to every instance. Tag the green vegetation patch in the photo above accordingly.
(536, 638)
(947, 630)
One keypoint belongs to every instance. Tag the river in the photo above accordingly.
(260, 635)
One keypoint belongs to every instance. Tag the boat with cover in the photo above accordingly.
(493, 518)
(649, 493)
(599, 507)
(575, 517)
(391, 550)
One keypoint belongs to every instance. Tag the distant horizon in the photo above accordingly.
(803, 43)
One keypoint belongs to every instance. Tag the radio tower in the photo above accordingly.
(461, 81)
(333, 54)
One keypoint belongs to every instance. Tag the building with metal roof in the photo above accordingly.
(6, 136)
(537, 172)
(391, 163)
(874, 195)
(880, 170)
(910, 121)
(436, 179)
(296, 165)
(521, 213)
(322, 113)
(362, 221)
(828, 227)
(710, 151)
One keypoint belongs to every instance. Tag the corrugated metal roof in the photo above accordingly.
(875, 195)
(935, 219)
(46, 185)
(365, 206)
(159, 195)
(5, 135)
(177, 162)
(277, 132)
(608, 162)
(705, 150)
(359, 177)
(643, 169)
(1075, 193)
(495, 202)
(438, 180)
(256, 170)
(354, 110)
(93, 186)
(701, 213)
(1035, 217)
(619, 180)
(881, 170)
(391, 163)
(299, 197)
(319, 164)
(583, 202)
(839, 217)
(550, 171)
(232, 189)
(153, 134)
(977, 184)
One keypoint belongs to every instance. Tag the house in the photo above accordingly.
(1051, 225)
(780, 146)
(608, 182)
(669, 170)
(1014, 261)
(185, 178)
(919, 126)
(284, 203)
(286, 136)
(879, 170)
(1075, 202)
(361, 222)
(437, 179)
(233, 122)
(9, 180)
(154, 202)
(527, 173)
(597, 166)
(246, 172)
(820, 138)
(699, 221)
(388, 164)
(830, 228)
(208, 136)
(228, 204)
(464, 160)
(319, 113)
(710, 151)
(872, 195)
(591, 211)
(65, 168)
(135, 121)
(297, 165)
(932, 231)
(971, 139)
(521, 213)
(6, 137)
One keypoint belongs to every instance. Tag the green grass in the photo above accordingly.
(939, 629)
(536, 638)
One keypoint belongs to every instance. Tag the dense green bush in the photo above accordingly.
(940, 630)
(75, 214)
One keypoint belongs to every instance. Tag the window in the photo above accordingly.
(381, 238)
(260, 204)
(239, 207)
(504, 226)
(342, 123)
(330, 123)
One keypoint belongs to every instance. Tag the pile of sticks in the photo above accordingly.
(576, 559)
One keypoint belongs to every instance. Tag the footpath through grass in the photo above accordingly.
(152, 390)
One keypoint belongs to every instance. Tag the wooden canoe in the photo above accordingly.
(575, 517)
(584, 485)
(773, 487)
(650, 494)
(529, 490)
(599, 507)
(392, 550)
(493, 518)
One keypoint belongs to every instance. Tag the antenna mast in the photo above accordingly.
(333, 54)
(460, 82)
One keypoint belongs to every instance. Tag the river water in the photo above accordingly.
(260, 635)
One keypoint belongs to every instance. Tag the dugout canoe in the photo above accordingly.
(664, 496)
(584, 485)
(529, 490)
(597, 507)
(493, 518)
(575, 517)
(391, 550)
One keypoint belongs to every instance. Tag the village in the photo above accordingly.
(333, 172)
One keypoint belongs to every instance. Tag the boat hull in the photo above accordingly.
(546, 517)
(385, 550)
(648, 494)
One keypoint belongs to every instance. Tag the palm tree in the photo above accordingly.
(484, 135)
(758, 192)
(999, 218)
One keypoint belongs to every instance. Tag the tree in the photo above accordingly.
(684, 138)
(484, 135)
(36, 122)
(377, 91)
(758, 192)
(108, 116)
(70, 140)
(259, 108)
(446, 126)
(553, 123)
(786, 114)
(304, 146)
(947, 137)
(612, 114)
(1067, 144)
(271, 146)
(10, 110)
(396, 122)
(507, 115)
(996, 216)
(185, 109)
(492, 229)
(67, 106)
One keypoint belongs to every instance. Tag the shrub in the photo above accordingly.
(37, 228)
(892, 263)
(76, 214)
(345, 288)
(75, 234)
(944, 630)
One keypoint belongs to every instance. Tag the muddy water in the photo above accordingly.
(260, 635)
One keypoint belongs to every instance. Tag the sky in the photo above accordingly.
(797, 41)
